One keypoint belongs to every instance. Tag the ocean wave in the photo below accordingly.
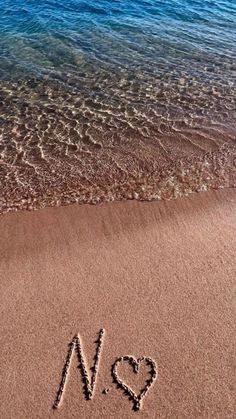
(116, 100)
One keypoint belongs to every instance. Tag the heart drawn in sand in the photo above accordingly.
(135, 363)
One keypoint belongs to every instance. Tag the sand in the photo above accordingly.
(157, 278)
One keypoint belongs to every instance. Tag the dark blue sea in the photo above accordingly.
(115, 99)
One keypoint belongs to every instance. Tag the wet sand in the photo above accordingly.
(158, 277)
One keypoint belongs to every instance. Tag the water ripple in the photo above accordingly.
(115, 99)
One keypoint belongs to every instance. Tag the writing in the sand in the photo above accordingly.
(89, 382)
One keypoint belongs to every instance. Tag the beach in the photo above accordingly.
(117, 209)
(157, 277)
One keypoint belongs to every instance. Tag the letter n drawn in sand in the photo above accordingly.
(89, 384)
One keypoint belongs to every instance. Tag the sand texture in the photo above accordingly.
(142, 292)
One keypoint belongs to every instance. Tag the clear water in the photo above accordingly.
(115, 99)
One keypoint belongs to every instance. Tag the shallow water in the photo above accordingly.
(115, 99)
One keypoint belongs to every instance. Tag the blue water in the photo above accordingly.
(39, 36)
(98, 97)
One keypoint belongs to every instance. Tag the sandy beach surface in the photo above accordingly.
(158, 277)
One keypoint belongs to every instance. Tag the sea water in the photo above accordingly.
(115, 99)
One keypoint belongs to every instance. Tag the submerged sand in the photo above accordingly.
(158, 277)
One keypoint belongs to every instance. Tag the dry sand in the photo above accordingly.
(158, 277)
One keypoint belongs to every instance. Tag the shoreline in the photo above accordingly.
(149, 180)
